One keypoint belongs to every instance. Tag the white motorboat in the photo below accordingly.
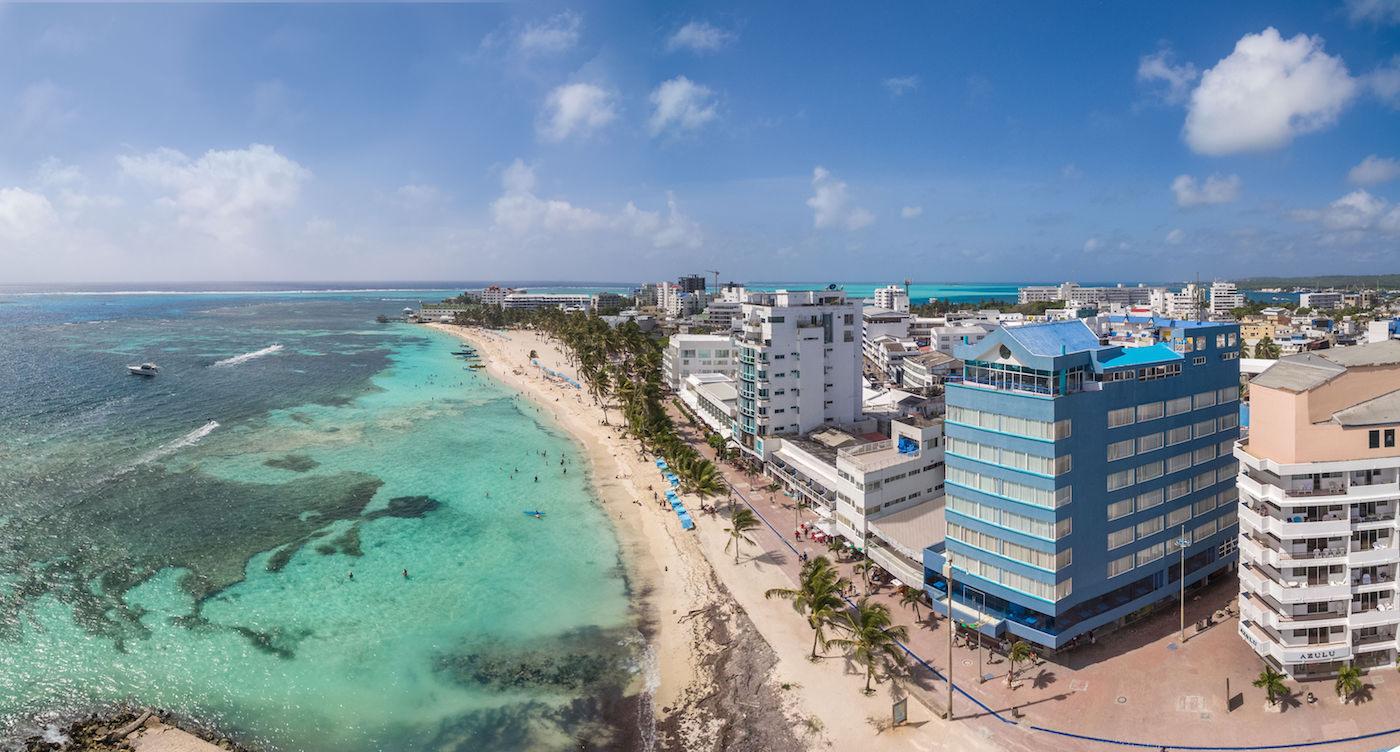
(145, 369)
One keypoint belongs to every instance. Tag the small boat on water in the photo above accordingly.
(145, 369)
(475, 366)
(537, 514)
(463, 352)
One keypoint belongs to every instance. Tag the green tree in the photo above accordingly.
(817, 596)
(912, 598)
(740, 523)
(1019, 653)
(1271, 682)
(704, 480)
(873, 638)
(1267, 348)
(1348, 682)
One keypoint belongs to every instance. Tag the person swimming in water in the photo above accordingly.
(405, 574)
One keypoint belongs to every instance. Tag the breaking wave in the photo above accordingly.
(245, 357)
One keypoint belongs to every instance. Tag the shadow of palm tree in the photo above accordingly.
(1288, 701)
(770, 557)
(1043, 679)
(1363, 695)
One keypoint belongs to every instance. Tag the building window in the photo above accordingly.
(1389, 438)
(1149, 527)
(1178, 435)
(1178, 405)
(1149, 443)
(1178, 516)
(1149, 499)
(1120, 479)
(1179, 462)
(1150, 554)
(1204, 399)
(1178, 489)
(1119, 566)
(1375, 440)
(1119, 538)
(1120, 449)
(1149, 471)
(1149, 411)
(1120, 417)
(1120, 509)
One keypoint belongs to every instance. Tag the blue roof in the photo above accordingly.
(1138, 356)
(1058, 338)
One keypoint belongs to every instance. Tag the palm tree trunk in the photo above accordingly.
(869, 670)
(815, 635)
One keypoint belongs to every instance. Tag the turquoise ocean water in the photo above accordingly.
(186, 541)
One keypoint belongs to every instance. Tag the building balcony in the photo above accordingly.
(1269, 644)
(1269, 582)
(1383, 640)
(1377, 554)
(1263, 519)
(1260, 610)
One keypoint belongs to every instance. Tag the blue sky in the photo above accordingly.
(629, 141)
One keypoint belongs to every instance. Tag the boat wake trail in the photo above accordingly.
(245, 357)
(167, 449)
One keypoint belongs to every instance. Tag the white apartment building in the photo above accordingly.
(496, 295)
(1319, 487)
(547, 300)
(1224, 297)
(1071, 292)
(851, 480)
(675, 301)
(923, 372)
(945, 338)
(723, 315)
(799, 365)
(893, 298)
(1187, 304)
(687, 354)
(1320, 301)
(713, 398)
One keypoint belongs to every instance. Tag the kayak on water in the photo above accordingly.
(534, 513)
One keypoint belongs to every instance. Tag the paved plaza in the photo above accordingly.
(1139, 685)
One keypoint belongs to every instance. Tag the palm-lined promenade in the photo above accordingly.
(1138, 685)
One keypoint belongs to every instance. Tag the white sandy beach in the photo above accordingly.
(682, 574)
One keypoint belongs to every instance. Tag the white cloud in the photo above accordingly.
(576, 109)
(1092, 244)
(1173, 82)
(1384, 82)
(1374, 11)
(1374, 170)
(1176, 236)
(910, 212)
(42, 105)
(901, 85)
(519, 211)
(1265, 93)
(24, 214)
(418, 195)
(552, 36)
(831, 203)
(1216, 189)
(222, 193)
(1071, 171)
(699, 37)
(681, 105)
(1356, 211)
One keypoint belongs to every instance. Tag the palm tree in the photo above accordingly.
(1020, 651)
(874, 638)
(818, 596)
(1348, 682)
(704, 480)
(740, 522)
(836, 546)
(1266, 348)
(1271, 682)
(912, 598)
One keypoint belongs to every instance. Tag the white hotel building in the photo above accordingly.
(1319, 487)
(799, 365)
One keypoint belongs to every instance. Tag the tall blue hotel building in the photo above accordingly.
(1075, 467)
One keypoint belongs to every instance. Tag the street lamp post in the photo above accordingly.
(1182, 542)
(952, 624)
(981, 618)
